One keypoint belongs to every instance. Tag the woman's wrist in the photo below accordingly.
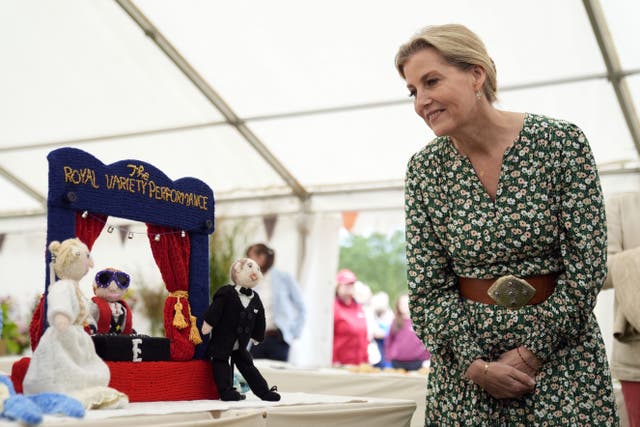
(478, 370)
(528, 358)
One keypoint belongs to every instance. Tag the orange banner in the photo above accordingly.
(349, 219)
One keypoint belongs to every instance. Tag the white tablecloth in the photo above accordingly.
(342, 382)
(294, 410)
(322, 397)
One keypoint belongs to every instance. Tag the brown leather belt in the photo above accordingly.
(476, 289)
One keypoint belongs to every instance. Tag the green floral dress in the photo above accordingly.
(547, 217)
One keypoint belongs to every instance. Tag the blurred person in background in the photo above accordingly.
(350, 336)
(363, 296)
(623, 232)
(283, 306)
(382, 318)
(402, 346)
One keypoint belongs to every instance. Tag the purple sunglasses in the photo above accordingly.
(105, 277)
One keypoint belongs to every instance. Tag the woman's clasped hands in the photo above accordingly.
(511, 376)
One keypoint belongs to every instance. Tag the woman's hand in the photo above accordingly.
(522, 359)
(500, 380)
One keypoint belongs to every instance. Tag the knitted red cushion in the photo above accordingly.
(150, 381)
(161, 381)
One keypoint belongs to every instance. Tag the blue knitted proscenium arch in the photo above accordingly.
(135, 190)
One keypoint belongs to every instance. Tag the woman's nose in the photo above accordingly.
(423, 98)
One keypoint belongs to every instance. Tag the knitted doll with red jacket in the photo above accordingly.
(110, 311)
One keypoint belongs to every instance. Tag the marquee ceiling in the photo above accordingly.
(287, 105)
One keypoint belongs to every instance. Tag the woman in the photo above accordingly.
(501, 193)
(402, 346)
(350, 336)
(623, 232)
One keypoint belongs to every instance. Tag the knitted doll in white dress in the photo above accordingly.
(65, 360)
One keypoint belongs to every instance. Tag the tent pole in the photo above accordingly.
(303, 231)
(211, 95)
(614, 68)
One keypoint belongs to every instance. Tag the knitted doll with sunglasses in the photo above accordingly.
(110, 311)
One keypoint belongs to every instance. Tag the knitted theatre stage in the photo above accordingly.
(83, 193)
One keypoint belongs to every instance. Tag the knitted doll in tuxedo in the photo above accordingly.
(235, 316)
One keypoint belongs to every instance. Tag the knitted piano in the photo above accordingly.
(131, 348)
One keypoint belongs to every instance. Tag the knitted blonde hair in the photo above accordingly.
(68, 262)
(66, 257)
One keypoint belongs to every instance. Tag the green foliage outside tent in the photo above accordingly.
(378, 260)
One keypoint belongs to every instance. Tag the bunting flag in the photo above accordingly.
(349, 219)
(124, 233)
(269, 222)
(2, 236)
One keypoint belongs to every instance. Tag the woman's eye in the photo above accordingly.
(412, 93)
(432, 82)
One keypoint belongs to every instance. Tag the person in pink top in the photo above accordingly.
(402, 346)
(350, 339)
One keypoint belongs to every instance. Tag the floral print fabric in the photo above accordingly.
(547, 216)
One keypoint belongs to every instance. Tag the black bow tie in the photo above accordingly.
(248, 292)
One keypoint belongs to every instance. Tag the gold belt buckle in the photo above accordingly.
(511, 291)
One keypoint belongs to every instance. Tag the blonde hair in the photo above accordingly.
(458, 45)
(65, 255)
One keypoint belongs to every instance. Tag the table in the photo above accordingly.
(294, 410)
(342, 382)
(323, 397)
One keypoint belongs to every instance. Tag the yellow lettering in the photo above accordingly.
(93, 179)
(134, 185)
(138, 171)
(80, 176)
(68, 174)
(142, 186)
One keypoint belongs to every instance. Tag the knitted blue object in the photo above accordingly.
(19, 408)
(7, 382)
(240, 383)
(29, 409)
(56, 403)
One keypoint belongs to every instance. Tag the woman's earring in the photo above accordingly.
(478, 95)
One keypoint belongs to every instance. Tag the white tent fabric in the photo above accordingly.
(315, 83)
(286, 107)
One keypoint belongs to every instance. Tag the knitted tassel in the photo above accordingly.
(178, 319)
(194, 334)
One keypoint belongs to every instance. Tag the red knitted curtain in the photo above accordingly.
(87, 229)
(171, 251)
(35, 327)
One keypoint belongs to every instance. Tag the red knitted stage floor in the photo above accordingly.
(150, 381)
